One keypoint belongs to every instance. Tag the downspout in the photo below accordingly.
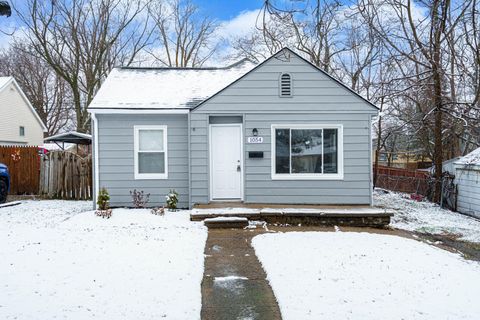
(95, 159)
(370, 120)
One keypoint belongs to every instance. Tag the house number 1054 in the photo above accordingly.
(254, 139)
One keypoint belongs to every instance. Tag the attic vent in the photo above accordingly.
(285, 85)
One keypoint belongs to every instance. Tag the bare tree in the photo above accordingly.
(421, 42)
(184, 35)
(81, 40)
(311, 28)
(47, 92)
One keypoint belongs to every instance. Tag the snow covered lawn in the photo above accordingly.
(346, 275)
(427, 217)
(58, 261)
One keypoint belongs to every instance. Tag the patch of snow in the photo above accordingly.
(229, 278)
(10, 204)
(324, 211)
(225, 211)
(427, 217)
(226, 219)
(346, 275)
(59, 262)
(42, 213)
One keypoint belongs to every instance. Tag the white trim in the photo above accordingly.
(146, 176)
(308, 176)
(210, 193)
(95, 161)
(138, 111)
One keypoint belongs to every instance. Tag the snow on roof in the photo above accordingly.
(71, 137)
(165, 88)
(473, 158)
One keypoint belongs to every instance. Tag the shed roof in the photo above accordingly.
(164, 88)
(71, 137)
(473, 158)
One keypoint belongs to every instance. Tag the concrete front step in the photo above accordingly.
(362, 216)
(226, 222)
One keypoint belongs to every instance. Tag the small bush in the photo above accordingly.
(103, 202)
(139, 198)
(172, 200)
(103, 199)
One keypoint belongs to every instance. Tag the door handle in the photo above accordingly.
(239, 168)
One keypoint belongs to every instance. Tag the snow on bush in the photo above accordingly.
(347, 275)
(427, 217)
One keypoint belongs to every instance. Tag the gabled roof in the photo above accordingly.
(164, 88)
(301, 58)
(178, 88)
(5, 81)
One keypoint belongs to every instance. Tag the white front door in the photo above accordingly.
(226, 161)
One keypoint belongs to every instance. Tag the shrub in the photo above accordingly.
(172, 200)
(139, 198)
(103, 202)
(103, 199)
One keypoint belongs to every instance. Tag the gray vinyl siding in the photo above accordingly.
(258, 92)
(316, 99)
(116, 158)
(199, 163)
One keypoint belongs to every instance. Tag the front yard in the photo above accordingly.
(349, 275)
(58, 261)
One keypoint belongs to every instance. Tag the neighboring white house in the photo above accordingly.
(19, 122)
(467, 178)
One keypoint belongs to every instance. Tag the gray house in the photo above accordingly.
(281, 132)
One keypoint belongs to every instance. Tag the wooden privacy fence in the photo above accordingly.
(403, 180)
(23, 162)
(66, 175)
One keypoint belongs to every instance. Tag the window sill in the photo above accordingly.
(151, 176)
(307, 177)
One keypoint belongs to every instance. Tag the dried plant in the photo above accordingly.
(139, 198)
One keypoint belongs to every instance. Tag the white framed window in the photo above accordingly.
(150, 152)
(307, 152)
(21, 131)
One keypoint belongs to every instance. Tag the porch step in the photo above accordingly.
(226, 222)
(359, 216)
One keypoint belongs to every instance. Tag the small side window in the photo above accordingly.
(285, 85)
(22, 131)
(150, 145)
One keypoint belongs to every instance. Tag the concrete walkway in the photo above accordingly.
(234, 284)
